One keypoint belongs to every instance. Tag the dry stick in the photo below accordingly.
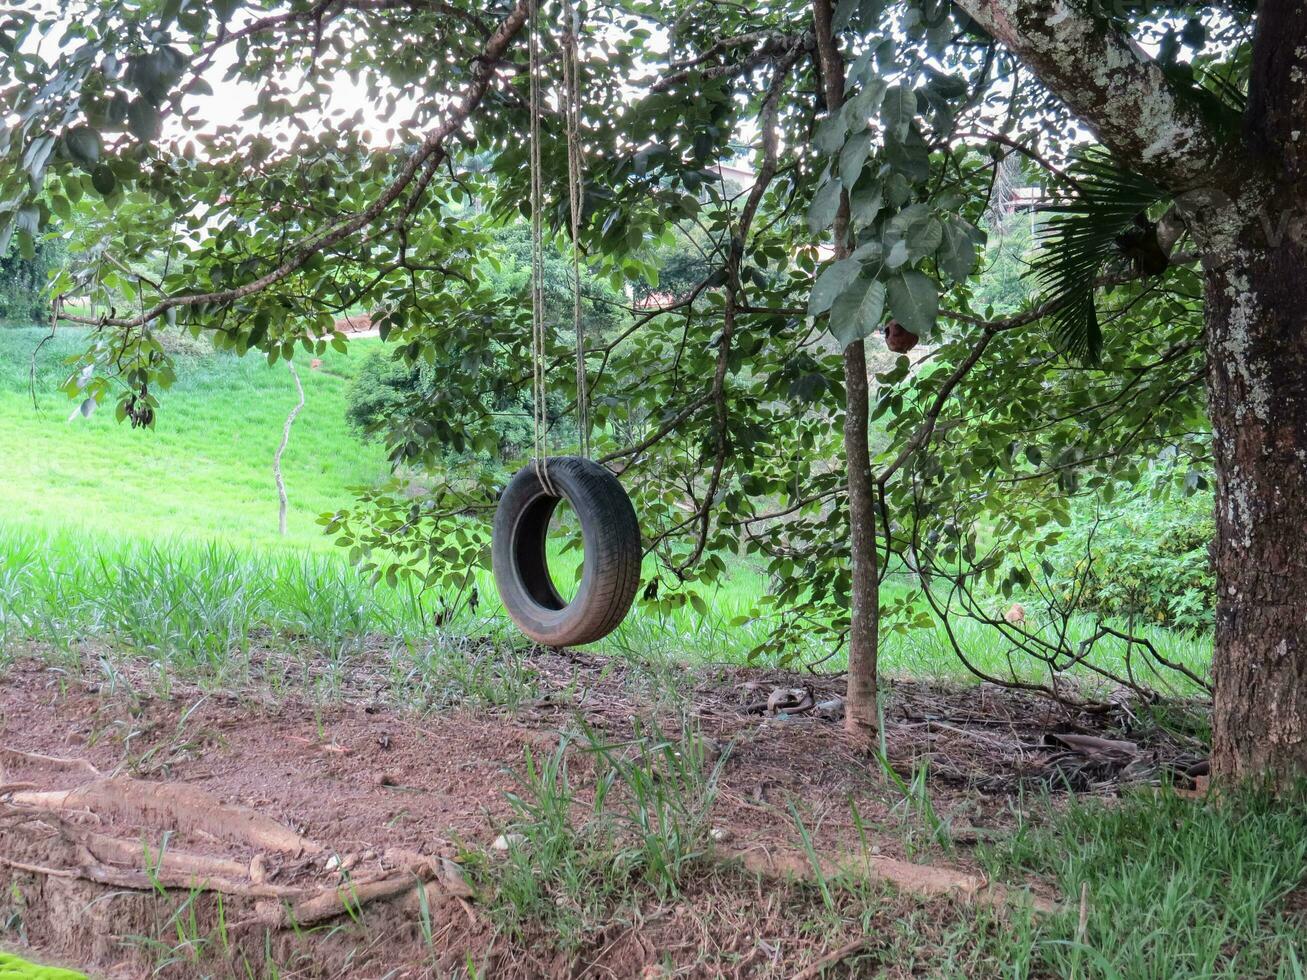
(835, 956)
(281, 449)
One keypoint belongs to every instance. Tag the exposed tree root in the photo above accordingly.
(53, 821)
(171, 806)
(924, 880)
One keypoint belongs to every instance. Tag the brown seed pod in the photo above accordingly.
(899, 339)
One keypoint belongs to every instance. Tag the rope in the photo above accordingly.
(538, 335)
(575, 189)
(571, 100)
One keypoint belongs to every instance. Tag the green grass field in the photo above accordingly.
(204, 472)
(166, 540)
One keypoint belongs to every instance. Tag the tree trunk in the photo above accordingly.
(1256, 291)
(1255, 263)
(860, 700)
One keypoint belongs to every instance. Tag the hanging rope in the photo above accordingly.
(570, 101)
(575, 189)
(538, 348)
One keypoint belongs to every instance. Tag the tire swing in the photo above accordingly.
(610, 533)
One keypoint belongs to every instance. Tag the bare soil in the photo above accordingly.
(219, 833)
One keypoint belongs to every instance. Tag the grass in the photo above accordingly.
(1172, 887)
(197, 609)
(204, 472)
(572, 868)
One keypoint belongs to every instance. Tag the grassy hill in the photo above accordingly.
(204, 471)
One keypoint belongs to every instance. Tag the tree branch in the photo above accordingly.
(432, 147)
(1156, 126)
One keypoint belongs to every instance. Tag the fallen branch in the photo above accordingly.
(928, 881)
(834, 956)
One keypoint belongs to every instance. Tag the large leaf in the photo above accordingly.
(866, 200)
(957, 253)
(143, 120)
(897, 111)
(103, 179)
(829, 136)
(83, 144)
(832, 281)
(914, 301)
(857, 312)
(857, 111)
(821, 213)
(853, 156)
(917, 228)
(909, 156)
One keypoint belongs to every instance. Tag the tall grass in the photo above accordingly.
(1156, 885)
(198, 607)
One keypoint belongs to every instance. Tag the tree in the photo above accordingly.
(23, 281)
(879, 128)
(1237, 178)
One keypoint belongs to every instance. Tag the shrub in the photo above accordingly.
(405, 405)
(1150, 561)
(23, 281)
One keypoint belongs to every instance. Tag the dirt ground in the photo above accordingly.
(242, 833)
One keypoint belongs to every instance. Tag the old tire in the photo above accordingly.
(609, 533)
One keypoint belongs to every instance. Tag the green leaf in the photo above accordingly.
(859, 70)
(857, 312)
(957, 254)
(917, 227)
(857, 112)
(834, 279)
(853, 156)
(914, 301)
(103, 180)
(910, 157)
(83, 144)
(821, 214)
(897, 189)
(865, 201)
(844, 11)
(829, 137)
(897, 111)
(143, 120)
(29, 219)
(897, 256)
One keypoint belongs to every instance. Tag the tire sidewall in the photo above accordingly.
(551, 627)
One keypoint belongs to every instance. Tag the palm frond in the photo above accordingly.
(1085, 233)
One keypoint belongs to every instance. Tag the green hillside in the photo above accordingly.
(204, 471)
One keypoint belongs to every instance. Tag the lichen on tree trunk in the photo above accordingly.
(1256, 292)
